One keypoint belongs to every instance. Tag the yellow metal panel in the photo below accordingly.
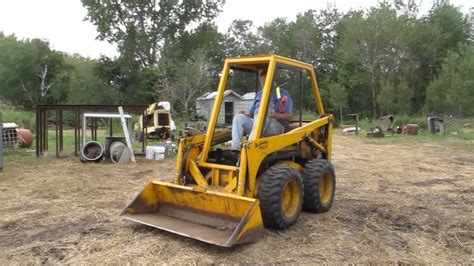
(231, 186)
(196, 174)
(253, 223)
(242, 171)
(218, 166)
(249, 59)
(315, 89)
(179, 159)
(292, 62)
(329, 139)
(291, 164)
(215, 176)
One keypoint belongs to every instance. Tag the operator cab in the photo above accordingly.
(242, 87)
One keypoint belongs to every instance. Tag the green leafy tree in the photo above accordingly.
(372, 46)
(338, 97)
(395, 98)
(428, 43)
(85, 85)
(452, 92)
(276, 37)
(241, 39)
(140, 28)
(306, 37)
(31, 72)
(182, 81)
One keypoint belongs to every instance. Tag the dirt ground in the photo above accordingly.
(395, 202)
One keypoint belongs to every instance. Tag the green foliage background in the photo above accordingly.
(387, 59)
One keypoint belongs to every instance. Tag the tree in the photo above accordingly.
(276, 37)
(31, 72)
(306, 37)
(338, 97)
(182, 81)
(140, 28)
(428, 43)
(241, 39)
(395, 97)
(452, 91)
(372, 44)
(85, 85)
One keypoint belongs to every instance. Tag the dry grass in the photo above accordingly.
(394, 203)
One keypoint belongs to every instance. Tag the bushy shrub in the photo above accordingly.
(24, 119)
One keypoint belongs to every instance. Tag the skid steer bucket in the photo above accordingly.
(210, 216)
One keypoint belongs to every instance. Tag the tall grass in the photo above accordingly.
(23, 118)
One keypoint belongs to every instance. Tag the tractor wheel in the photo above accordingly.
(280, 192)
(319, 181)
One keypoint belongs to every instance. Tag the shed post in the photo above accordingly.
(1, 136)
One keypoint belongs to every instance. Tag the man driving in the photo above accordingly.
(279, 114)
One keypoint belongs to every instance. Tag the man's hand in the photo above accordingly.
(245, 113)
(271, 112)
(279, 116)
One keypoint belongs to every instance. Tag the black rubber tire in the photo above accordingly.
(270, 194)
(313, 172)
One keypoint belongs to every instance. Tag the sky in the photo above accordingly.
(62, 23)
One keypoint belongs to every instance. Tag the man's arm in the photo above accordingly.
(279, 116)
(288, 109)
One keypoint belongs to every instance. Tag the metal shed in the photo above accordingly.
(247, 101)
(231, 104)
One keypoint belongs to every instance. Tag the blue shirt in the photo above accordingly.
(274, 102)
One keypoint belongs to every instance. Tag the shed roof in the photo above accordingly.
(212, 95)
(249, 96)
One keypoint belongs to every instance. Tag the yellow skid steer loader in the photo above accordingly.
(227, 197)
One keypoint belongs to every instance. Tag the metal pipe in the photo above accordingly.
(92, 151)
(37, 129)
(61, 135)
(143, 131)
(315, 144)
(301, 100)
(75, 133)
(45, 130)
(117, 150)
(56, 128)
(111, 132)
(84, 127)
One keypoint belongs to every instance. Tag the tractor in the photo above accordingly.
(225, 197)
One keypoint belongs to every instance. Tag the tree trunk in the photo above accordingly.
(374, 97)
(186, 108)
(27, 92)
(340, 113)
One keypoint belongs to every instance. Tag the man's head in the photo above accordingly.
(262, 75)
